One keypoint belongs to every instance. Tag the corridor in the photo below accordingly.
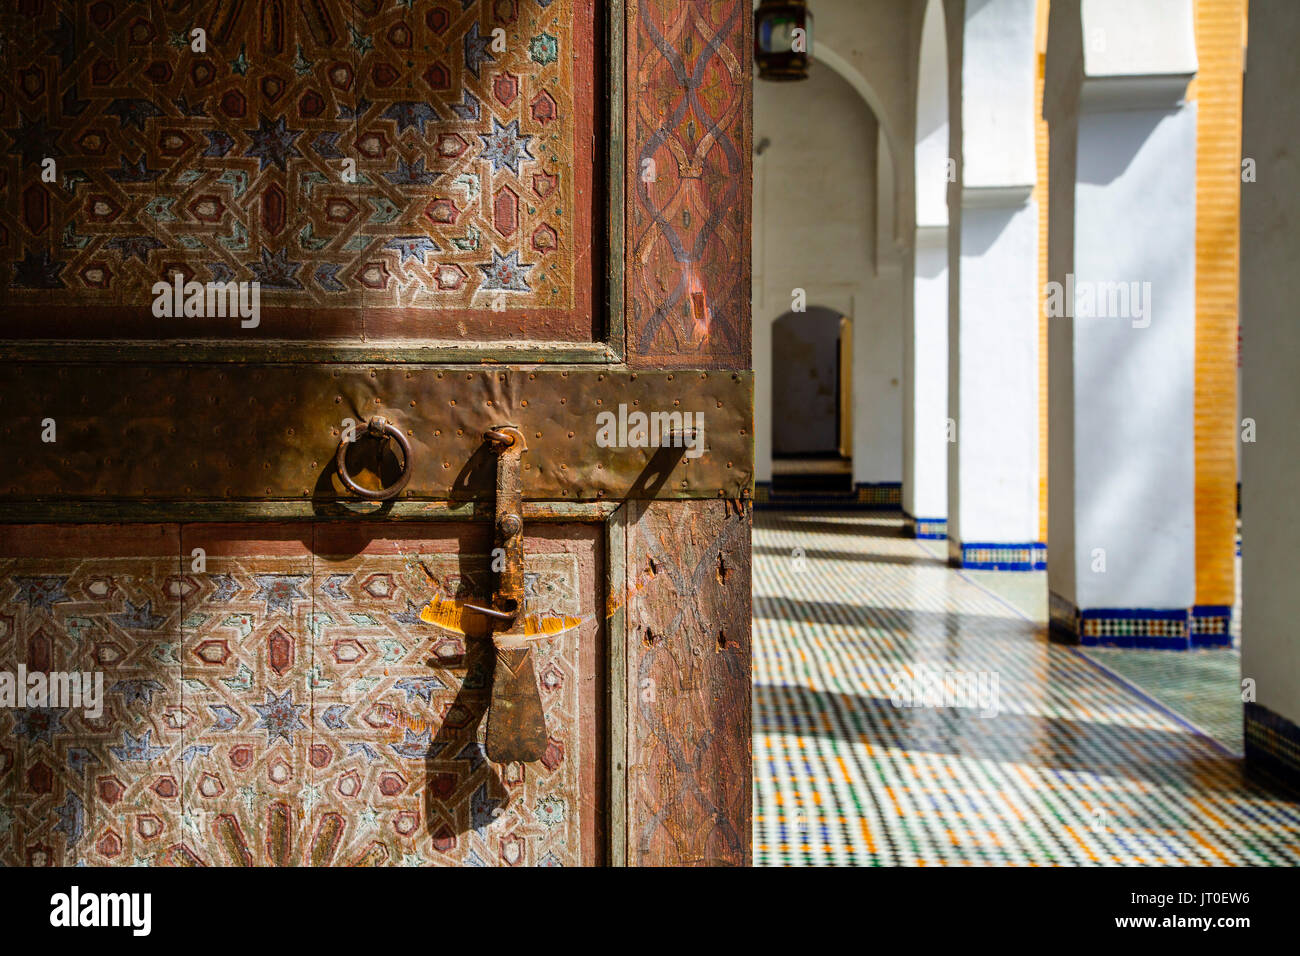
(1076, 767)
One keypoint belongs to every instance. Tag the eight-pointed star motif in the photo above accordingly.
(410, 113)
(477, 49)
(279, 591)
(38, 723)
(44, 590)
(505, 273)
(137, 749)
(272, 142)
(38, 270)
(33, 139)
(280, 716)
(505, 146)
(138, 617)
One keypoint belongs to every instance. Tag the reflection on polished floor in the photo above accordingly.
(1075, 768)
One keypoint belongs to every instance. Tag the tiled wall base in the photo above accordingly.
(935, 529)
(1272, 745)
(997, 556)
(1174, 629)
(866, 496)
(1211, 625)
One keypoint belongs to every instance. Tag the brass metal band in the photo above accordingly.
(178, 432)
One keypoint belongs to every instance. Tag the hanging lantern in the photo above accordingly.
(783, 39)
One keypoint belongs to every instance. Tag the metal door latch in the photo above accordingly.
(516, 725)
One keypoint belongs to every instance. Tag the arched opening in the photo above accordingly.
(818, 208)
(932, 120)
(812, 401)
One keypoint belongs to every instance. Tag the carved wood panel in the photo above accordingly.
(382, 170)
(689, 119)
(689, 758)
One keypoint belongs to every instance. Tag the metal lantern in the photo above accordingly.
(783, 39)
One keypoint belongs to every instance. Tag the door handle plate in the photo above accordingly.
(516, 723)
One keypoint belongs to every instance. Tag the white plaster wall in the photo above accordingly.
(1270, 374)
(993, 378)
(868, 39)
(932, 121)
(1153, 37)
(878, 380)
(1123, 186)
(815, 224)
(997, 102)
(1135, 220)
(890, 247)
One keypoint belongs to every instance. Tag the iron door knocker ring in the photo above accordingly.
(382, 430)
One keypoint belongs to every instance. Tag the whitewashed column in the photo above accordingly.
(925, 336)
(993, 513)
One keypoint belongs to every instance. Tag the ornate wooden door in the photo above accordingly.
(275, 272)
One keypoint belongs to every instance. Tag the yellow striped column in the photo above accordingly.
(1220, 37)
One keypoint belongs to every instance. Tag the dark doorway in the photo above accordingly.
(811, 401)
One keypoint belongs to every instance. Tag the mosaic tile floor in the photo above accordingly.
(1075, 768)
(1201, 686)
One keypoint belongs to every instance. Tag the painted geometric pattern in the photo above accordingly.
(228, 164)
(75, 789)
(689, 182)
(272, 711)
(1076, 768)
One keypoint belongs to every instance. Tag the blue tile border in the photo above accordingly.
(997, 555)
(1177, 629)
(1137, 627)
(1211, 625)
(1272, 745)
(932, 529)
